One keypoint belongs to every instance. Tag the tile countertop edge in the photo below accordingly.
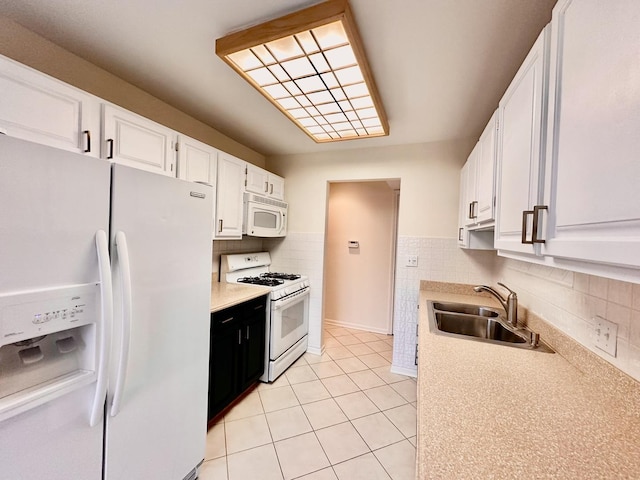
(488, 411)
(225, 295)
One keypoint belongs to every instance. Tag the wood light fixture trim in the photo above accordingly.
(326, 106)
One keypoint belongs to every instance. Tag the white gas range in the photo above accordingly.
(288, 315)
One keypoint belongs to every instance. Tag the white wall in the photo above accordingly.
(358, 281)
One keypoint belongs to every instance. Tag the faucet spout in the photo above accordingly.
(510, 304)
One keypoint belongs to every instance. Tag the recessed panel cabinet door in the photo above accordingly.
(231, 175)
(485, 173)
(593, 178)
(519, 179)
(197, 161)
(138, 142)
(41, 109)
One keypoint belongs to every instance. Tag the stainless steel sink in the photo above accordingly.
(480, 323)
(466, 308)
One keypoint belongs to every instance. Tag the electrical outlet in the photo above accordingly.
(606, 335)
(412, 260)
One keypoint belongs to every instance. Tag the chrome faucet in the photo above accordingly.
(510, 305)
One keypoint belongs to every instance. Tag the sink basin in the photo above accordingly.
(466, 308)
(482, 324)
(475, 326)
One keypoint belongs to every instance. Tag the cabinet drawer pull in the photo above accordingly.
(87, 135)
(525, 214)
(460, 234)
(226, 321)
(536, 218)
(110, 148)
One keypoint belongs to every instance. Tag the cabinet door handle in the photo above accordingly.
(271, 192)
(110, 148)
(460, 233)
(473, 208)
(470, 215)
(259, 307)
(266, 187)
(247, 337)
(226, 321)
(87, 135)
(525, 214)
(536, 217)
(220, 228)
(239, 337)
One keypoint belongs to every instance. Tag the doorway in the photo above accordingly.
(360, 252)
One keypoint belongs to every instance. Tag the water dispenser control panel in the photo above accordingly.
(32, 314)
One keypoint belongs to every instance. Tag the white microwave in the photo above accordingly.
(264, 217)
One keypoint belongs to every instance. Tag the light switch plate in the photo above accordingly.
(606, 335)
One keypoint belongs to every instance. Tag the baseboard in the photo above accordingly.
(315, 350)
(355, 326)
(409, 372)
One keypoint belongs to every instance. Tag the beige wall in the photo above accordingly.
(358, 281)
(26, 47)
(429, 174)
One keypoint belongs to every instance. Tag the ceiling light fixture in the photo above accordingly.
(311, 65)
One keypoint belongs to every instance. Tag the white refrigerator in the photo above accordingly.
(105, 279)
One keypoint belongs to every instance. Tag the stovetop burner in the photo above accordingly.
(267, 282)
(281, 276)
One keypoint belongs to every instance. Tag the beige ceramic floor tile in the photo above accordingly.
(355, 405)
(278, 398)
(324, 413)
(341, 442)
(300, 374)
(360, 349)
(407, 389)
(379, 346)
(327, 369)
(404, 418)
(385, 397)
(385, 374)
(333, 342)
(336, 353)
(281, 381)
(366, 379)
(413, 441)
(348, 340)
(388, 356)
(261, 462)
(365, 467)
(350, 365)
(399, 460)
(324, 474)
(313, 359)
(247, 433)
(214, 469)
(340, 385)
(366, 337)
(247, 407)
(377, 431)
(374, 360)
(216, 444)
(308, 392)
(288, 423)
(300, 455)
(339, 331)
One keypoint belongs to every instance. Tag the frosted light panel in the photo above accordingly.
(314, 77)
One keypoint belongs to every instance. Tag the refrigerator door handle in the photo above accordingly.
(125, 281)
(106, 296)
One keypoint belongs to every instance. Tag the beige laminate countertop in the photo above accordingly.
(224, 295)
(489, 411)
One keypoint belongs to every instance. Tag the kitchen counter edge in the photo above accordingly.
(225, 295)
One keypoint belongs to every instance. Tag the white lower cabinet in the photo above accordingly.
(130, 139)
(592, 187)
(230, 188)
(41, 109)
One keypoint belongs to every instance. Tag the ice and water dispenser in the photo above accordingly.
(48, 345)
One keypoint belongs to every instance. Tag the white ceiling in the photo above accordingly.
(441, 66)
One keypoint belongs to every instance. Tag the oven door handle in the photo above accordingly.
(291, 299)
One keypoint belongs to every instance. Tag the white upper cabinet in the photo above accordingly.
(230, 188)
(592, 186)
(485, 173)
(264, 183)
(520, 151)
(463, 234)
(41, 109)
(470, 202)
(197, 161)
(130, 139)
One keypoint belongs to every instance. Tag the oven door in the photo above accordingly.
(289, 322)
(265, 220)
